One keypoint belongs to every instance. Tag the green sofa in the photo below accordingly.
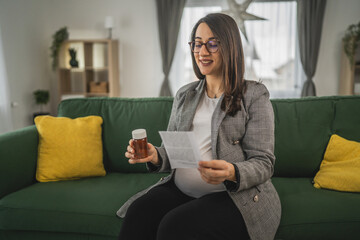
(85, 209)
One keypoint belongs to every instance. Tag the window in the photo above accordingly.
(5, 118)
(271, 54)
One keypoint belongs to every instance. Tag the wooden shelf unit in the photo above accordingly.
(98, 63)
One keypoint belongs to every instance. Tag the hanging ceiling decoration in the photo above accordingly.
(238, 12)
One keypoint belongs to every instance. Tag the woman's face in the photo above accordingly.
(209, 63)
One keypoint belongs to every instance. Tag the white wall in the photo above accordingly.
(24, 53)
(338, 16)
(27, 29)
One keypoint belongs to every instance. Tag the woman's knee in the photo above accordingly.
(175, 225)
(137, 209)
(168, 228)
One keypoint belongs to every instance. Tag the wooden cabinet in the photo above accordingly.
(350, 74)
(97, 73)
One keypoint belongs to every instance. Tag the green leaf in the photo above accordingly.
(59, 36)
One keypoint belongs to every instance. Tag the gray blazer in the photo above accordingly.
(247, 141)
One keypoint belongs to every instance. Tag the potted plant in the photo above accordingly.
(351, 41)
(59, 36)
(41, 98)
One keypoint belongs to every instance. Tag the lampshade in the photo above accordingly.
(109, 22)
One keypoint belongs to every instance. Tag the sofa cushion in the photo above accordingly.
(302, 131)
(311, 213)
(121, 116)
(340, 168)
(85, 206)
(69, 148)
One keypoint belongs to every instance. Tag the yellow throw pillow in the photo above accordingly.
(69, 148)
(340, 168)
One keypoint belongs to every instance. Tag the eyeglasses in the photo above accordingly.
(212, 46)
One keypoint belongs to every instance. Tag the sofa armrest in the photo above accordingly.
(18, 157)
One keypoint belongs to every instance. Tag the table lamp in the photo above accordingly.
(109, 24)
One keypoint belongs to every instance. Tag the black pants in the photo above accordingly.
(165, 213)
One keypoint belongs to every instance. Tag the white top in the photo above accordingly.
(188, 180)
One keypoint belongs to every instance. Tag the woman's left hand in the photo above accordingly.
(216, 171)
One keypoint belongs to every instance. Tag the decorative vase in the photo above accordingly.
(73, 62)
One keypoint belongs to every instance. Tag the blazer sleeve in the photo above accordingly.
(163, 157)
(258, 141)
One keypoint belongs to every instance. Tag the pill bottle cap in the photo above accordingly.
(139, 134)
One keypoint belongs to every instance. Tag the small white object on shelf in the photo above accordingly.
(109, 24)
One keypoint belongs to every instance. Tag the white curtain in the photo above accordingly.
(5, 112)
(272, 54)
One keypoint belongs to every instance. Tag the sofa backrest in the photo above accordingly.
(121, 116)
(302, 127)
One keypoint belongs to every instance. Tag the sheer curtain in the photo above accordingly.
(5, 114)
(271, 55)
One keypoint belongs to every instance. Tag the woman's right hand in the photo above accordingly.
(152, 154)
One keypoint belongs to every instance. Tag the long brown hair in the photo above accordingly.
(226, 31)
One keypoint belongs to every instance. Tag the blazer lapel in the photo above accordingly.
(191, 102)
